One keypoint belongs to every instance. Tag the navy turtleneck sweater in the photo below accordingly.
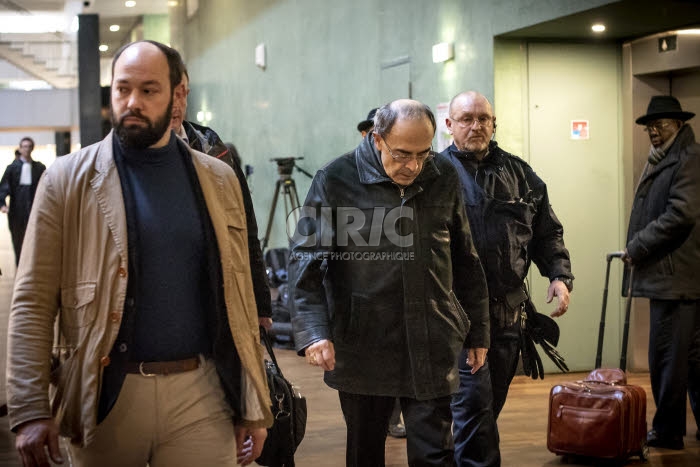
(170, 322)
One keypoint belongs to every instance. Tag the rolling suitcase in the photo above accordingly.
(601, 416)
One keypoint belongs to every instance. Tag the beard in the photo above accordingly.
(137, 137)
(474, 146)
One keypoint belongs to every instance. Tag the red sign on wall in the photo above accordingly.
(579, 129)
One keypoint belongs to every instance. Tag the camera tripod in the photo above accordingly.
(286, 185)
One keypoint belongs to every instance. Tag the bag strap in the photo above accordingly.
(268, 346)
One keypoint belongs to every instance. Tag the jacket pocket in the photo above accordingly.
(237, 238)
(460, 314)
(77, 305)
(510, 222)
(667, 264)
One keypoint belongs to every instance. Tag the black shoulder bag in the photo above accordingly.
(289, 410)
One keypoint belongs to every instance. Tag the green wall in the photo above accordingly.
(157, 28)
(324, 69)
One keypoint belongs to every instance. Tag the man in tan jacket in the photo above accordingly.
(137, 245)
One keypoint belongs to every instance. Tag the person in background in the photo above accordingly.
(662, 257)
(365, 126)
(513, 224)
(234, 153)
(19, 182)
(387, 318)
(206, 140)
(136, 251)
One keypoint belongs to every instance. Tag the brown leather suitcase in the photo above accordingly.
(598, 418)
(601, 416)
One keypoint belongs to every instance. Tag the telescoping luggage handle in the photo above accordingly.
(628, 308)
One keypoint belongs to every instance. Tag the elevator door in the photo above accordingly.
(567, 83)
(686, 87)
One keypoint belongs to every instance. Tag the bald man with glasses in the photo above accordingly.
(513, 224)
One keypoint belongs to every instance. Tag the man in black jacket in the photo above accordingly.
(663, 249)
(385, 319)
(513, 224)
(19, 182)
(206, 140)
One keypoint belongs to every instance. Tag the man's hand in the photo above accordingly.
(558, 289)
(265, 322)
(3, 209)
(32, 436)
(249, 443)
(476, 357)
(626, 257)
(321, 353)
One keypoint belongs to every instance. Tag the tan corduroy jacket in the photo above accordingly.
(74, 260)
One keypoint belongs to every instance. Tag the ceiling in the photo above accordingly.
(624, 20)
(52, 56)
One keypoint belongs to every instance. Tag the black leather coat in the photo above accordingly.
(512, 222)
(389, 308)
(663, 238)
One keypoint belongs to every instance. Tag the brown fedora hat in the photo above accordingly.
(664, 107)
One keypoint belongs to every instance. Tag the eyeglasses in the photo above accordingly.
(404, 157)
(658, 126)
(468, 121)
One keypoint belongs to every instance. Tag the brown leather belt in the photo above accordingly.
(163, 368)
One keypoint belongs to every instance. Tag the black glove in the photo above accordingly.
(543, 330)
(532, 363)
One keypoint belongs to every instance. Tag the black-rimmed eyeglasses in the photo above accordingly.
(656, 126)
(468, 121)
(403, 156)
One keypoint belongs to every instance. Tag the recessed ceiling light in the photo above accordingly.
(598, 27)
(114, 28)
(103, 47)
(172, 3)
(130, 4)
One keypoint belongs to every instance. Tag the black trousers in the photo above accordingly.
(18, 217)
(481, 397)
(428, 429)
(674, 363)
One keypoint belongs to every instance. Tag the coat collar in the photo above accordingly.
(494, 157)
(108, 190)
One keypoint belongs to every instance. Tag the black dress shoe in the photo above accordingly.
(655, 440)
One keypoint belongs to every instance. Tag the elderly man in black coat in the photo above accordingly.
(382, 264)
(663, 253)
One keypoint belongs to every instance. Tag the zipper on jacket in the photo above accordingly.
(402, 189)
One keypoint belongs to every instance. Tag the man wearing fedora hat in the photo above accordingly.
(663, 253)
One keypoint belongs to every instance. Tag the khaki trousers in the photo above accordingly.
(176, 420)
